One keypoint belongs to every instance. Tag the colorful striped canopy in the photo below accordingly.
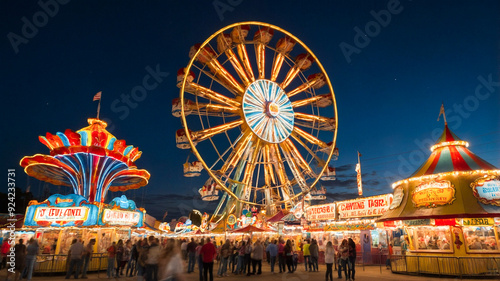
(92, 161)
(451, 154)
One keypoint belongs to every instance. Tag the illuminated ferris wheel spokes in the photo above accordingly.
(268, 114)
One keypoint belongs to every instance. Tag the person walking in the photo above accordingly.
(257, 256)
(208, 252)
(152, 259)
(248, 257)
(234, 255)
(388, 261)
(352, 258)
(241, 258)
(184, 246)
(344, 258)
(314, 250)
(281, 256)
(4, 251)
(338, 263)
(132, 262)
(199, 259)
(191, 249)
(307, 254)
(224, 258)
(75, 264)
(20, 255)
(289, 255)
(111, 260)
(119, 256)
(127, 254)
(329, 260)
(87, 257)
(142, 254)
(272, 251)
(32, 252)
(170, 265)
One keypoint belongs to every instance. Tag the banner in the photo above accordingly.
(364, 207)
(321, 212)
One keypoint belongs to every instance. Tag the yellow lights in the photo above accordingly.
(454, 173)
(449, 143)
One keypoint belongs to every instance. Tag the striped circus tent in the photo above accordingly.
(452, 183)
(451, 154)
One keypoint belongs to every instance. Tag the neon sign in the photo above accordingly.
(117, 217)
(61, 214)
(365, 207)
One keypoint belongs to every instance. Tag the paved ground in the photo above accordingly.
(366, 273)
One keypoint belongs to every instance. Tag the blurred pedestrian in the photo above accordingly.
(32, 252)
(329, 260)
(170, 267)
(289, 255)
(352, 258)
(344, 258)
(111, 260)
(208, 252)
(257, 256)
(87, 257)
(191, 249)
(76, 254)
(272, 251)
(314, 250)
(153, 255)
(199, 259)
(281, 256)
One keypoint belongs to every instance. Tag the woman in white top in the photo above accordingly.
(329, 260)
(170, 265)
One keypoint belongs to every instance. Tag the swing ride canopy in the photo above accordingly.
(452, 183)
(91, 161)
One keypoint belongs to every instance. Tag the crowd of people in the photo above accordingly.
(150, 260)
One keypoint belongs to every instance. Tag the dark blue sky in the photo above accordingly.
(389, 90)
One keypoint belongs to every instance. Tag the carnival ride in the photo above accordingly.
(91, 161)
(262, 123)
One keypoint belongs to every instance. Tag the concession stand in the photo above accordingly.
(448, 213)
(350, 219)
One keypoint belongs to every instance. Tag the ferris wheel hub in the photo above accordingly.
(272, 109)
(268, 111)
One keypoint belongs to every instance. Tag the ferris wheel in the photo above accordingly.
(259, 112)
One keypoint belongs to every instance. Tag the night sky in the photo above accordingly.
(389, 84)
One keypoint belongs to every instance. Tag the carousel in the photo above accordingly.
(91, 162)
(448, 213)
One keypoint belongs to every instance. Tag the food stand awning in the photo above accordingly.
(250, 229)
(277, 217)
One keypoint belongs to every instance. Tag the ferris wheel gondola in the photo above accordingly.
(259, 114)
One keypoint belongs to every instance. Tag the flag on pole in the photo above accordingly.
(358, 176)
(97, 96)
(441, 112)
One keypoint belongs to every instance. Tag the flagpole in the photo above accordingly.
(98, 108)
(444, 115)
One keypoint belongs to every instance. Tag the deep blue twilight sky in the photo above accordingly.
(389, 88)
